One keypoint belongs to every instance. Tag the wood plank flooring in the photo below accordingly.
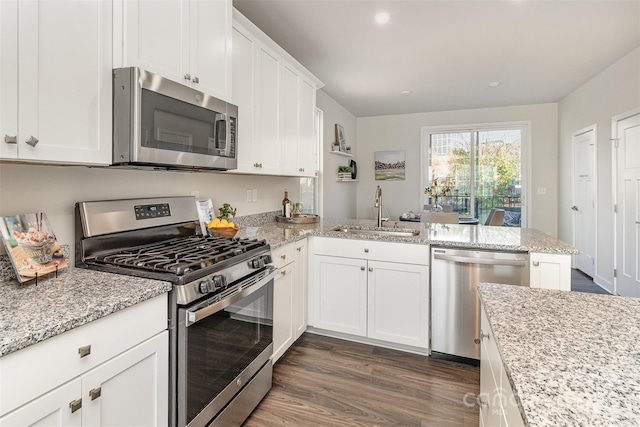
(580, 282)
(323, 381)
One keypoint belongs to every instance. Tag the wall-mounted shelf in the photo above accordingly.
(341, 153)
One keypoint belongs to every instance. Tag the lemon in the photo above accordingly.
(232, 224)
(223, 223)
(214, 223)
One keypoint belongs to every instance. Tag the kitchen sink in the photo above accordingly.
(400, 232)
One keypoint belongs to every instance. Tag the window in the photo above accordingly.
(482, 164)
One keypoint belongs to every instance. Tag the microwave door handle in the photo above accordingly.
(221, 126)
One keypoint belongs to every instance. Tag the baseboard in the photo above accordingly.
(370, 341)
(603, 283)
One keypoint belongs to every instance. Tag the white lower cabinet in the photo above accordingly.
(498, 407)
(353, 291)
(113, 371)
(550, 271)
(289, 296)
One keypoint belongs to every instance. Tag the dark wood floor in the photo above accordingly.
(323, 381)
(580, 282)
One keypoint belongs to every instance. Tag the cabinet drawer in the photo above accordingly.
(283, 255)
(28, 373)
(407, 253)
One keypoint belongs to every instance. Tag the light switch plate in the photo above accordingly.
(542, 191)
(248, 195)
(254, 195)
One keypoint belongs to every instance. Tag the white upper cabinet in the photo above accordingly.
(59, 110)
(188, 41)
(276, 99)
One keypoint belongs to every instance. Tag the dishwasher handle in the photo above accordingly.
(490, 261)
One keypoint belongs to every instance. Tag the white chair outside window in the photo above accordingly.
(495, 217)
(445, 208)
(440, 217)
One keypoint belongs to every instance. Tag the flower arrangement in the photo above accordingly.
(438, 190)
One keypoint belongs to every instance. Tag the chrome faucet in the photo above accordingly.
(378, 204)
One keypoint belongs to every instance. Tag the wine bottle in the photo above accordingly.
(286, 205)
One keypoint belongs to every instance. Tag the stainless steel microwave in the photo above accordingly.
(162, 124)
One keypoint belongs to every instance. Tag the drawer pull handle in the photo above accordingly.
(75, 405)
(11, 139)
(536, 263)
(366, 250)
(299, 249)
(362, 268)
(283, 256)
(95, 393)
(32, 141)
(84, 351)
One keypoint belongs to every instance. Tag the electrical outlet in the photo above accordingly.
(195, 193)
(248, 195)
(254, 195)
(542, 191)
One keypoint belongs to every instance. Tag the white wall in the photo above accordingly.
(402, 132)
(55, 189)
(339, 198)
(612, 92)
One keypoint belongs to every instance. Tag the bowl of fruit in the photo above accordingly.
(222, 225)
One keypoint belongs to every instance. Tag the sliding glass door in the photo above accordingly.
(482, 167)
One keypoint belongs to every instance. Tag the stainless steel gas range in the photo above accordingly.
(220, 308)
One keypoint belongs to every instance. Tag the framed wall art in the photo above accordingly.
(389, 165)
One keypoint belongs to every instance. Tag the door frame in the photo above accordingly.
(614, 167)
(594, 181)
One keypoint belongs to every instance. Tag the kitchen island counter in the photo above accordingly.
(30, 314)
(571, 358)
(277, 234)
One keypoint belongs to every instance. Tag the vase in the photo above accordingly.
(436, 207)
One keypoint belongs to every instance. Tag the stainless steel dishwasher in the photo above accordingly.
(455, 305)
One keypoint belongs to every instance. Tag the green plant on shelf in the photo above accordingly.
(345, 169)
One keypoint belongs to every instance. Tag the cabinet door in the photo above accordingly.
(398, 303)
(550, 271)
(156, 37)
(51, 409)
(339, 297)
(283, 310)
(289, 118)
(210, 47)
(64, 90)
(243, 93)
(8, 79)
(130, 389)
(300, 289)
(307, 142)
(266, 143)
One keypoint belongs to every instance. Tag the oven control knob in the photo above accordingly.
(267, 259)
(257, 263)
(206, 286)
(219, 282)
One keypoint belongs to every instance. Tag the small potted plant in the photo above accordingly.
(222, 224)
(335, 146)
(349, 150)
(344, 173)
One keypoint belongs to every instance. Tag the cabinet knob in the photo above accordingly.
(32, 141)
(366, 250)
(283, 256)
(187, 76)
(95, 393)
(257, 165)
(370, 268)
(11, 139)
(84, 351)
(196, 80)
(362, 268)
(574, 208)
(298, 249)
(482, 336)
(75, 405)
(536, 263)
(283, 272)
(301, 169)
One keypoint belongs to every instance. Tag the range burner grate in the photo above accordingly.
(180, 255)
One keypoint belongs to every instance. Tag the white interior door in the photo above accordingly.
(584, 203)
(627, 132)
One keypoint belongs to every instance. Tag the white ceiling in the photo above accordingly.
(448, 51)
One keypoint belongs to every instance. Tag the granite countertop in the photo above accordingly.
(572, 358)
(456, 235)
(30, 313)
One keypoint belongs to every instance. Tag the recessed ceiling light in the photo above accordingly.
(406, 93)
(382, 17)
(494, 84)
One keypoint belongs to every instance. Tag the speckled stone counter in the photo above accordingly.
(573, 359)
(30, 313)
(455, 235)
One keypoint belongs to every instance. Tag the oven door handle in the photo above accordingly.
(194, 316)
